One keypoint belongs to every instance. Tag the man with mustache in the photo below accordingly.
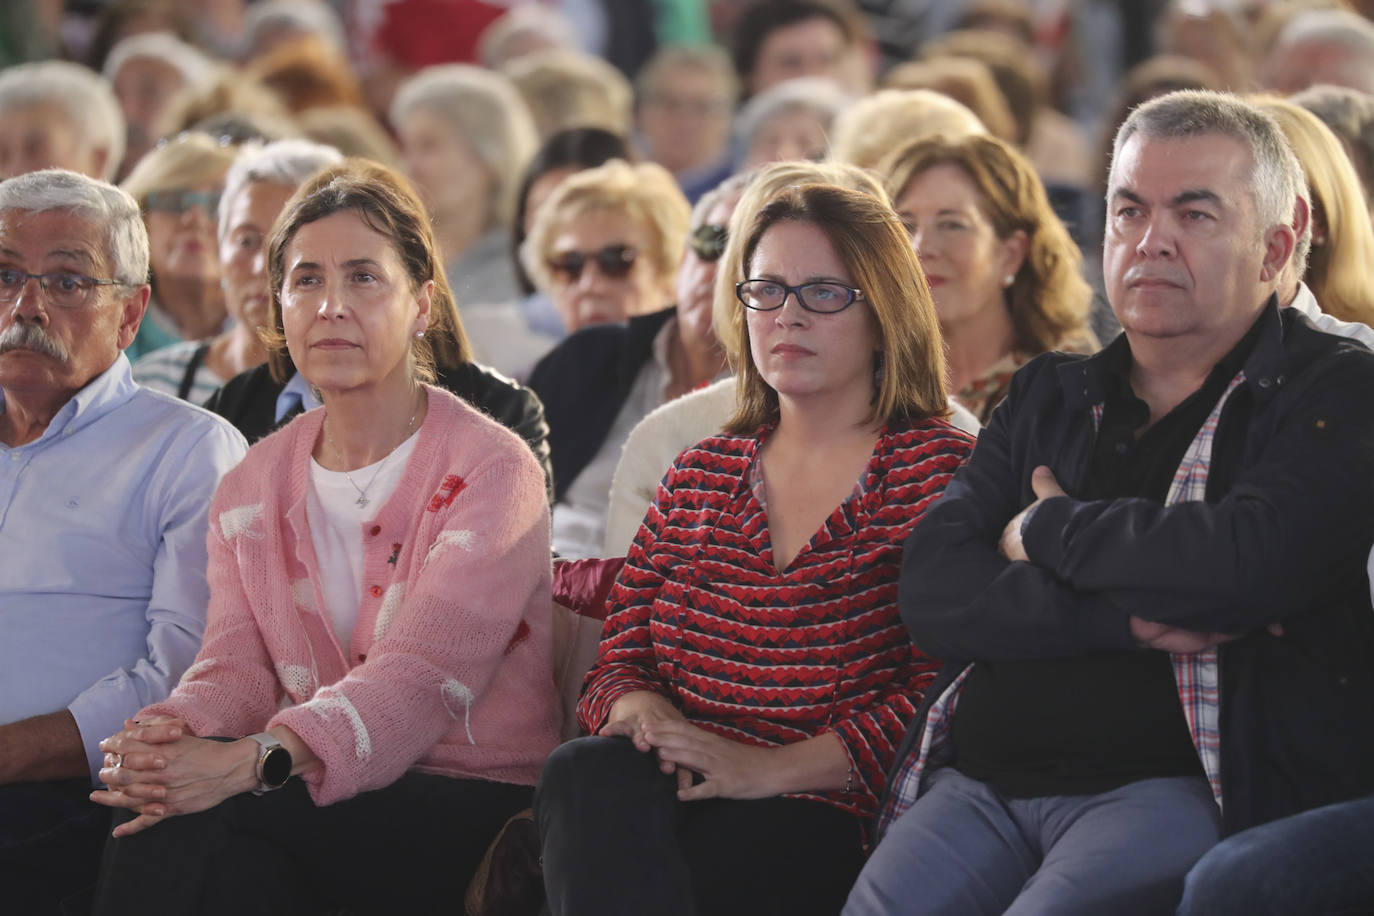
(1148, 582)
(104, 493)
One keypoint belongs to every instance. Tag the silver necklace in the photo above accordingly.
(362, 500)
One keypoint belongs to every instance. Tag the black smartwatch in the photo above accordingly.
(274, 763)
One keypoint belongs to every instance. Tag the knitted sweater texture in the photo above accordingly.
(701, 615)
(450, 666)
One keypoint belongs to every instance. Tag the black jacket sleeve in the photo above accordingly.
(1298, 518)
(959, 598)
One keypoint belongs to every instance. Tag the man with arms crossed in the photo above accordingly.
(1148, 581)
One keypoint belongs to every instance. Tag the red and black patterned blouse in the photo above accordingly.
(700, 614)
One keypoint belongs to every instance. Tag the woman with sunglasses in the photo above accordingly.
(608, 244)
(753, 677)
(177, 185)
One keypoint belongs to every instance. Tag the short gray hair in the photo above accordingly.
(1276, 178)
(194, 65)
(818, 94)
(313, 16)
(287, 162)
(86, 101)
(735, 184)
(98, 201)
(1329, 26)
(489, 114)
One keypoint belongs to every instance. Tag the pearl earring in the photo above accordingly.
(419, 334)
(1008, 280)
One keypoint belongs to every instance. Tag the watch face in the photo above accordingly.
(276, 767)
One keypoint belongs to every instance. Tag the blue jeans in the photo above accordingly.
(964, 849)
(1319, 863)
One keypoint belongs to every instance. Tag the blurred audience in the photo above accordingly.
(58, 115)
(772, 41)
(177, 186)
(466, 137)
(146, 70)
(684, 99)
(1350, 115)
(790, 120)
(565, 88)
(1325, 46)
(872, 128)
(256, 189)
(964, 79)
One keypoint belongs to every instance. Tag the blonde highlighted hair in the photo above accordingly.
(645, 193)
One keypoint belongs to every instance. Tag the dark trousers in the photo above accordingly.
(1319, 863)
(616, 840)
(51, 834)
(411, 847)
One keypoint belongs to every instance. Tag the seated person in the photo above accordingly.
(1177, 643)
(102, 522)
(379, 612)
(58, 115)
(607, 246)
(260, 399)
(752, 677)
(256, 188)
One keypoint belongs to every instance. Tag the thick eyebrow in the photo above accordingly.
(1196, 194)
(814, 278)
(69, 253)
(1128, 195)
(354, 262)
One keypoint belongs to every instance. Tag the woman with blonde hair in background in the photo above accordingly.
(1003, 271)
(177, 186)
(1335, 259)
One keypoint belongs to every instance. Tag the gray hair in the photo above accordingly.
(735, 184)
(86, 101)
(312, 16)
(1350, 115)
(194, 65)
(489, 114)
(287, 162)
(818, 94)
(1329, 26)
(1276, 178)
(126, 239)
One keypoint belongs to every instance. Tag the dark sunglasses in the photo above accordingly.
(614, 261)
(708, 241)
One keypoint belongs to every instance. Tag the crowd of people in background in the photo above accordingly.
(949, 418)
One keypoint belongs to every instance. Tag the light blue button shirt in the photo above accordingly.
(102, 553)
(296, 392)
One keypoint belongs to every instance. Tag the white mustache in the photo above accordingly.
(24, 336)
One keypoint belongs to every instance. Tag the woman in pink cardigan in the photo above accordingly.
(379, 637)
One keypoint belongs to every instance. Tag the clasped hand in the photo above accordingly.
(1147, 633)
(157, 769)
(728, 769)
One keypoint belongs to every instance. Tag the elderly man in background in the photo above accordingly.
(104, 493)
(1148, 582)
(57, 115)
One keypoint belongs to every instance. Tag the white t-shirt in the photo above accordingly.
(336, 529)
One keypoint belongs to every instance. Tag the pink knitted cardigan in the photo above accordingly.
(450, 666)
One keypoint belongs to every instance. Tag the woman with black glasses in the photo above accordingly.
(753, 677)
(608, 245)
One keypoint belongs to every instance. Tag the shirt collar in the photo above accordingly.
(96, 398)
(296, 393)
(1259, 352)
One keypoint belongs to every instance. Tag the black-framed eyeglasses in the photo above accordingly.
(614, 261)
(64, 288)
(707, 241)
(822, 297)
(182, 199)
